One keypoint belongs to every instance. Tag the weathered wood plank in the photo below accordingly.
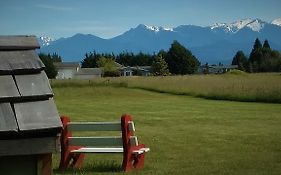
(98, 126)
(18, 42)
(134, 141)
(94, 126)
(99, 150)
(132, 126)
(96, 141)
(29, 146)
(7, 118)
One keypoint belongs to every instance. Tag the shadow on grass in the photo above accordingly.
(95, 167)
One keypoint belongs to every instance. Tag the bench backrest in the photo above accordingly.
(126, 127)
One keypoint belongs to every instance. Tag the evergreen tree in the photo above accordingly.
(256, 55)
(90, 60)
(56, 58)
(160, 67)
(241, 60)
(180, 60)
(263, 59)
(50, 68)
(257, 44)
(266, 45)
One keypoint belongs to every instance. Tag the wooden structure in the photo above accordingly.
(29, 121)
(73, 148)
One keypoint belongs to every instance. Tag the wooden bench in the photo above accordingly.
(73, 149)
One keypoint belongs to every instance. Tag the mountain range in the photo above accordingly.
(212, 44)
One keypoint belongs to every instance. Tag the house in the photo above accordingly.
(67, 70)
(73, 70)
(136, 70)
(88, 73)
(216, 69)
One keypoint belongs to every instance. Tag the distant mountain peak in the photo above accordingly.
(277, 22)
(254, 24)
(45, 40)
(153, 28)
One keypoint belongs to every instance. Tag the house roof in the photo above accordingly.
(137, 68)
(66, 65)
(18, 43)
(89, 71)
(224, 66)
(27, 107)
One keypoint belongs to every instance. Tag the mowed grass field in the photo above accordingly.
(186, 135)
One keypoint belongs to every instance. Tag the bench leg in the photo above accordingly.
(65, 159)
(139, 161)
(77, 160)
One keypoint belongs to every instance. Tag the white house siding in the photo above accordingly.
(65, 73)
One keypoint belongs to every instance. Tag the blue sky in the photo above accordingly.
(109, 18)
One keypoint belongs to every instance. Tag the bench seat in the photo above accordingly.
(74, 148)
(98, 150)
(108, 150)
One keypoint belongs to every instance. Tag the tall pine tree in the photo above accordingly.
(241, 60)
(180, 60)
(266, 45)
(159, 66)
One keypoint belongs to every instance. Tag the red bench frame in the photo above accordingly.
(131, 160)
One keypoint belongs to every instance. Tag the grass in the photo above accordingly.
(186, 135)
(235, 86)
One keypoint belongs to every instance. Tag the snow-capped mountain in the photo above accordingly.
(212, 44)
(277, 22)
(253, 24)
(45, 41)
(156, 28)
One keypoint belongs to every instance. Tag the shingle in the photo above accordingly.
(7, 118)
(20, 61)
(34, 85)
(37, 115)
(8, 88)
(18, 43)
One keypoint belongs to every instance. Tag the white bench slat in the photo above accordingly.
(96, 141)
(101, 141)
(98, 126)
(98, 150)
(141, 151)
(94, 126)
(134, 141)
(131, 126)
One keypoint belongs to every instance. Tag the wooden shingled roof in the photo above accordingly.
(27, 108)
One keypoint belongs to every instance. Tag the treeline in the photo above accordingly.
(124, 58)
(177, 60)
(49, 60)
(261, 59)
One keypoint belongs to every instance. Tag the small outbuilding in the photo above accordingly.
(29, 121)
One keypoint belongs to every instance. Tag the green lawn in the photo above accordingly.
(186, 135)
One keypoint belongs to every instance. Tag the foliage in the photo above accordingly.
(108, 66)
(90, 60)
(264, 59)
(241, 60)
(48, 61)
(180, 60)
(159, 66)
(130, 59)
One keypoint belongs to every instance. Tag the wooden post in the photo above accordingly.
(44, 165)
